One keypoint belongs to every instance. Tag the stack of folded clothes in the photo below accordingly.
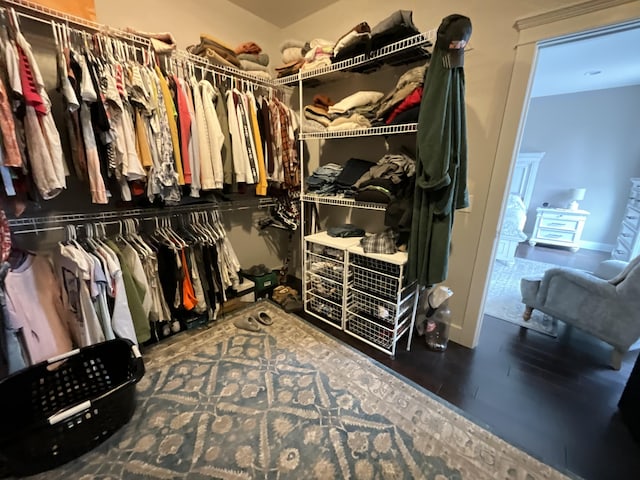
(390, 178)
(322, 180)
(353, 43)
(253, 60)
(293, 52)
(354, 112)
(317, 115)
(318, 54)
(353, 169)
(215, 51)
(362, 39)
(402, 104)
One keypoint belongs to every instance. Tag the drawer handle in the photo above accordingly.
(553, 235)
(620, 251)
(557, 224)
(632, 217)
(626, 235)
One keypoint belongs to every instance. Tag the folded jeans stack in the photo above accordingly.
(322, 180)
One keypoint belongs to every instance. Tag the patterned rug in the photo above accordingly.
(505, 302)
(290, 402)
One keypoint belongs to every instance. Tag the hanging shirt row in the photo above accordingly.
(129, 286)
(134, 130)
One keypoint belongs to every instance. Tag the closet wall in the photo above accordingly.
(233, 25)
(186, 19)
(488, 73)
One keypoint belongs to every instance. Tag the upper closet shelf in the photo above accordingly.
(364, 132)
(420, 41)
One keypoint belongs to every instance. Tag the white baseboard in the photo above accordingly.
(601, 247)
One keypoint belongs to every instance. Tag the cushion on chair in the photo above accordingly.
(622, 275)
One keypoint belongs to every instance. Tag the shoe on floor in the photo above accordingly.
(247, 323)
(292, 304)
(264, 318)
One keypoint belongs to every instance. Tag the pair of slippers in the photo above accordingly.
(252, 323)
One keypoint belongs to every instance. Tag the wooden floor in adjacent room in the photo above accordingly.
(555, 398)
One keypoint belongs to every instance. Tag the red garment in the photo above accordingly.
(29, 88)
(411, 100)
(185, 129)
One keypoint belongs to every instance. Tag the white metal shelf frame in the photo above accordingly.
(364, 132)
(343, 202)
(421, 39)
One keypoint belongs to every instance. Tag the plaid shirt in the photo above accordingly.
(384, 242)
(289, 154)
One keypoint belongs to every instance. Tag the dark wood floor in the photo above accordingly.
(555, 398)
(582, 259)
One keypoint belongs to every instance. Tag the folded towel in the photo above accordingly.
(352, 122)
(261, 58)
(318, 63)
(358, 99)
(289, 68)
(311, 125)
(248, 47)
(292, 54)
(317, 114)
(252, 66)
(291, 44)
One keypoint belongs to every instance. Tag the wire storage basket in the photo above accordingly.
(380, 309)
(58, 409)
(372, 331)
(324, 309)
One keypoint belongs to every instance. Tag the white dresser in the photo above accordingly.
(628, 243)
(559, 226)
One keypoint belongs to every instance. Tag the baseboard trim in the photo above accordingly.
(599, 246)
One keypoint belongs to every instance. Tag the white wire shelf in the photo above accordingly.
(424, 39)
(365, 132)
(343, 202)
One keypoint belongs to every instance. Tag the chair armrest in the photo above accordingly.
(587, 281)
(609, 269)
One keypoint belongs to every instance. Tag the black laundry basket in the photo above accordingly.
(55, 411)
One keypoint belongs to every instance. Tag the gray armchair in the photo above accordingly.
(605, 303)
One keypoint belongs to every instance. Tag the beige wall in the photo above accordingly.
(488, 73)
(590, 140)
(186, 19)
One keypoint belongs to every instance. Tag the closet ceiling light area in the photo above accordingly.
(282, 13)
(594, 63)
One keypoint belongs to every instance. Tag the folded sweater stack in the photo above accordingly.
(402, 104)
(351, 113)
(292, 57)
(253, 60)
(215, 51)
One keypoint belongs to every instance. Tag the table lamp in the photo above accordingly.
(575, 195)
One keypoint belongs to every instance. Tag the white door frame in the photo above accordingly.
(557, 25)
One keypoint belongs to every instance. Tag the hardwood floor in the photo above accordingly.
(582, 259)
(554, 398)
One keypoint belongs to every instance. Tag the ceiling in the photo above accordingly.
(605, 61)
(283, 12)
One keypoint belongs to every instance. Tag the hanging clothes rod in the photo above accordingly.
(40, 13)
(43, 14)
(228, 72)
(71, 218)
